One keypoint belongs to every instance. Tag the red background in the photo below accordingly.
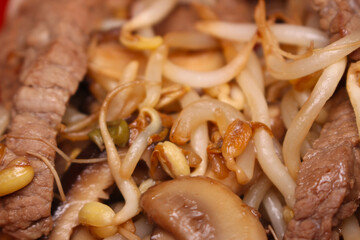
(3, 4)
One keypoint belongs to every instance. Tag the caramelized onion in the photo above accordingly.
(236, 138)
(183, 207)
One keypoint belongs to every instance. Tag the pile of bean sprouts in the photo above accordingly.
(214, 80)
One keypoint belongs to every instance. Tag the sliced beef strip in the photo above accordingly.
(12, 42)
(339, 18)
(328, 187)
(54, 62)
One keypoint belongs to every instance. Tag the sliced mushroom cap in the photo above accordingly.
(161, 234)
(196, 208)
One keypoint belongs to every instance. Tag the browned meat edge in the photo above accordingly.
(53, 46)
(328, 186)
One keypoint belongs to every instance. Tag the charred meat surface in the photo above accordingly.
(339, 18)
(53, 62)
(328, 184)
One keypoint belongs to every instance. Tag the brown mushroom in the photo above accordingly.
(161, 234)
(195, 208)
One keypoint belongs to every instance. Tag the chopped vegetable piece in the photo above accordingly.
(119, 132)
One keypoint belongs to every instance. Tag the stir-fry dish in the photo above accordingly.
(180, 119)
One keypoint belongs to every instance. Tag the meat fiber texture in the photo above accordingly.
(339, 18)
(328, 185)
(42, 60)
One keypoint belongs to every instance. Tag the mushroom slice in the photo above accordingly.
(160, 234)
(196, 208)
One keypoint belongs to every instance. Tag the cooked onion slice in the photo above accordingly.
(304, 119)
(209, 79)
(284, 33)
(201, 208)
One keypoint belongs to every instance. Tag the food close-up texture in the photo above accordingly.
(180, 119)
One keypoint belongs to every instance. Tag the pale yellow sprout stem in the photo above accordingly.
(246, 161)
(153, 73)
(118, 104)
(282, 69)
(140, 143)
(353, 89)
(200, 112)
(128, 235)
(58, 151)
(53, 171)
(350, 228)
(138, 8)
(289, 109)
(231, 95)
(87, 161)
(145, 185)
(274, 209)
(254, 196)
(269, 161)
(127, 187)
(254, 67)
(301, 96)
(284, 33)
(304, 119)
(153, 14)
(82, 123)
(212, 78)
(199, 138)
